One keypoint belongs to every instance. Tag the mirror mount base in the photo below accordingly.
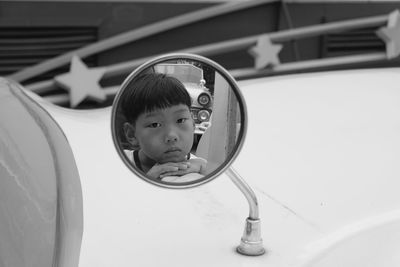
(251, 243)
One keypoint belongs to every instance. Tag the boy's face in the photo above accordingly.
(165, 135)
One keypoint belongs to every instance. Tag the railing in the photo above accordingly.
(264, 48)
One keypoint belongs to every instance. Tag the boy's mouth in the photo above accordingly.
(172, 150)
(173, 154)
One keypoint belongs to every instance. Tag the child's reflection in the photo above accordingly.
(160, 128)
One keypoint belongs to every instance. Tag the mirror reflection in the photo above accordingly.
(177, 121)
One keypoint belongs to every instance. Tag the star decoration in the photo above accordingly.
(82, 83)
(265, 52)
(391, 35)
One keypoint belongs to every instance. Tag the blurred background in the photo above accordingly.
(76, 53)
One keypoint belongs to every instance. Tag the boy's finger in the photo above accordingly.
(180, 165)
(169, 169)
(173, 173)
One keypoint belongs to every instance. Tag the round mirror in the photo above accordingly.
(178, 120)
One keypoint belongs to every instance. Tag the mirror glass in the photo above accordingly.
(178, 120)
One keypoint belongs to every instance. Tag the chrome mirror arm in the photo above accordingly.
(251, 243)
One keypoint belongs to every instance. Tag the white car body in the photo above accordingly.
(321, 153)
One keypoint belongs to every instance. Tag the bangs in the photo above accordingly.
(164, 95)
(153, 91)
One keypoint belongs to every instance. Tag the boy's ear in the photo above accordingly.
(129, 132)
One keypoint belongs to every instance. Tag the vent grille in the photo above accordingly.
(352, 42)
(21, 47)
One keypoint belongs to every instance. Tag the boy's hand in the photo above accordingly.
(195, 165)
(160, 169)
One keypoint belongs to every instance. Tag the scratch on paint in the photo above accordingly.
(12, 156)
(313, 225)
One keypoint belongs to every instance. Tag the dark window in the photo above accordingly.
(21, 47)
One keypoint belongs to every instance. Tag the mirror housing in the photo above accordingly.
(218, 111)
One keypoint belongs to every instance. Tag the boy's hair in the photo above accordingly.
(152, 91)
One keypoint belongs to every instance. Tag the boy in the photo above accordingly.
(160, 127)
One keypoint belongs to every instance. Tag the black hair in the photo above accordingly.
(152, 91)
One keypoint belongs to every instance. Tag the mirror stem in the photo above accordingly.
(251, 243)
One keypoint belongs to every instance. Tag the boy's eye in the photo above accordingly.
(154, 125)
(182, 120)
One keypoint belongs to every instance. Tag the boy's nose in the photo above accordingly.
(171, 136)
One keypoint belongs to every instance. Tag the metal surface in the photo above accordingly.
(41, 207)
(321, 153)
(251, 243)
(247, 192)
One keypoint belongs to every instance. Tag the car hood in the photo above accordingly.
(321, 154)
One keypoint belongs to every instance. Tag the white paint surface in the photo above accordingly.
(322, 154)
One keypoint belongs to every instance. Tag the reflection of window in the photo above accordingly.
(186, 73)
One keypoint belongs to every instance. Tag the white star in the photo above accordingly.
(82, 83)
(265, 53)
(391, 35)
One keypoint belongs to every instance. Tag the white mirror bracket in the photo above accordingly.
(251, 243)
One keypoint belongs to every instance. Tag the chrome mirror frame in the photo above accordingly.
(242, 109)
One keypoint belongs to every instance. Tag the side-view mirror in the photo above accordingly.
(179, 121)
